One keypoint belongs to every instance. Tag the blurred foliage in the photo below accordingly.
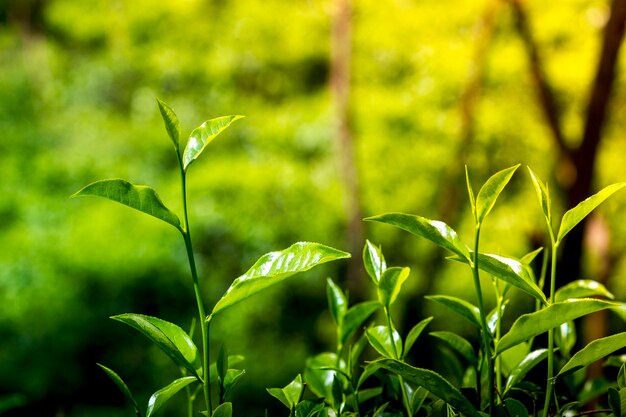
(78, 82)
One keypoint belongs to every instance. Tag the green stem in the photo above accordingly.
(483, 321)
(499, 300)
(550, 377)
(405, 398)
(204, 324)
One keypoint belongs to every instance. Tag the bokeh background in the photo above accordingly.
(352, 109)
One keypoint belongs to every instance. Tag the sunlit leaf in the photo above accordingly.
(434, 230)
(170, 338)
(470, 192)
(355, 317)
(488, 194)
(390, 284)
(275, 267)
(433, 382)
(378, 336)
(458, 344)
(160, 397)
(534, 324)
(172, 125)
(139, 197)
(565, 337)
(337, 302)
(577, 214)
(374, 261)
(530, 256)
(543, 195)
(594, 351)
(459, 306)
(309, 408)
(582, 288)
(414, 334)
(529, 362)
(293, 391)
(122, 386)
(318, 377)
(203, 135)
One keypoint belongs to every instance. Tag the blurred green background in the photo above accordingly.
(433, 85)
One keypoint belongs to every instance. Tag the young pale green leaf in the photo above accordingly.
(534, 324)
(509, 270)
(414, 334)
(231, 379)
(529, 362)
(490, 191)
(390, 284)
(565, 338)
(203, 135)
(160, 397)
(543, 195)
(374, 261)
(355, 317)
(432, 382)
(172, 125)
(577, 214)
(232, 361)
(224, 410)
(378, 336)
(582, 288)
(337, 302)
(293, 391)
(122, 386)
(458, 344)
(530, 256)
(139, 197)
(275, 267)
(494, 317)
(470, 192)
(279, 394)
(459, 306)
(594, 351)
(170, 338)
(317, 376)
(434, 230)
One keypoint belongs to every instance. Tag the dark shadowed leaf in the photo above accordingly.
(169, 337)
(488, 194)
(594, 351)
(203, 135)
(374, 261)
(160, 397)
(122, 386)
(275, 267)
(458, 344)
(139, 197)
(434, 230)
(577, 214)
(231, 379)
(529, 362)
(355, 317)
(534, 324)
(414, 334)
(172, 125)
(390, 284)
(432, 382)
(459, 306)
(223, 410)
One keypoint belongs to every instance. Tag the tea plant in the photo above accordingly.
(197, 372)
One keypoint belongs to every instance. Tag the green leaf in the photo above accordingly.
(390, 284)
(511, 408)
(458, 344)
(432, 382)
(530, 256)
(355, 317)
(231, 379)
(414, 334)
(139, 197)
(621, 377)
(419, 395)
(223, 410)
(574, 216)
(543, 195)
(172, 124)
(582, 288)
(565, 338)
(203, 135)
(122, 386)
(509, 270)
(534, 324)
(594, 351)
(374, 261)
(369, 370)
(488, 194)
(459, 306)
(160, 397)
(221, 365)
(293, 391)
(319, 380)
(378, 337)
(337, 302)
(529, 362)
(279, 394)
(470, 192)
(232, 361)
(170, 338)
(434, 230)
(309, 408)
(275, 267)
(617, 401)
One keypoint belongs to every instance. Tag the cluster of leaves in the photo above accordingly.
(494, 378)
(340, 382)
